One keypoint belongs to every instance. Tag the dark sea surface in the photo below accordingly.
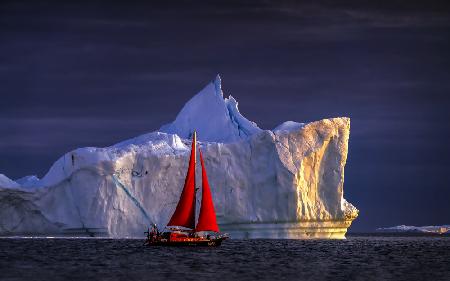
(357, 258)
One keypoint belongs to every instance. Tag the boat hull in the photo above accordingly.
(187, 242)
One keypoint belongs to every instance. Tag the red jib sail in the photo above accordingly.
(184, 214)
(207, 218)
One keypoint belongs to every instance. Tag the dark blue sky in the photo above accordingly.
(74, 75)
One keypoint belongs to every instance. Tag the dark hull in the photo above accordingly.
(185, 243)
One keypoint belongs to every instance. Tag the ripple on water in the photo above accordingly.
(357, 258)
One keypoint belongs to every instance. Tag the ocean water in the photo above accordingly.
(357, 258)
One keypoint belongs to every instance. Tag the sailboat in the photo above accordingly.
(181, 229)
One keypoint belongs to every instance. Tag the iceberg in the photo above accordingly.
(7, 182)
(280, 183)
(431, 229)
(214, 118)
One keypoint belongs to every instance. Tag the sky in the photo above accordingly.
(93, 74)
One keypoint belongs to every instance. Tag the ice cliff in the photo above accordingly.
(281, 183)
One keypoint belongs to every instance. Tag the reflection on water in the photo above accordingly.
(357, 258)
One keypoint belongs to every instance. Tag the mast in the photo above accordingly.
(207, 218)
(194, 146)
(184, 214)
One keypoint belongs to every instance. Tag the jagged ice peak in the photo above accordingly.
(216, 119)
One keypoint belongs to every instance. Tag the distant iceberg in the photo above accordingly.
(281, 183)
(441, 229)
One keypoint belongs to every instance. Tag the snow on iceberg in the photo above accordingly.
(285, 183)
(28, 181)
(289, 126)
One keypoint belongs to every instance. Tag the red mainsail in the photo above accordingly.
(207, 218)
(184, 214)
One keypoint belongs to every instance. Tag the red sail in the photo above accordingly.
(184, 214)
(207, 218)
